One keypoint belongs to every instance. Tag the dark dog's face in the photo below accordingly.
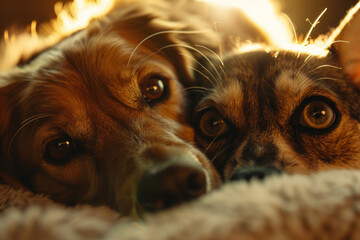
(291, 108)
(295, 112)
(92, 120)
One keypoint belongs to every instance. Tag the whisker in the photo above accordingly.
(203, 89)
(201, 73)
(217, 56)
(206, 69)
(313, 26)
(24, 124)
(175, 45)
(214, 53)
(208, 147)
(221, 151)
(338, 41)
(292, 26)
(159, 33)
(326, 66)
(306, 59)
(30, 118)
(327, 78)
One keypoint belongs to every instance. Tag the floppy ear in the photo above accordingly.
(346, 42)
(7, 171)
(5, 90)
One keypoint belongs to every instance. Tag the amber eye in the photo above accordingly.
(153, 89)
(317, 115)
(212, 124)
(60, 150)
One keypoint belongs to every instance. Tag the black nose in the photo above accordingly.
(169, 186)
(248, 173)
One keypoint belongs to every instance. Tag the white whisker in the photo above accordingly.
(327, 78)
(292, 26)
(221, 151)
(159, 33)
(211, 143)
(175, 45)
(216, 55)
(307, 58)
(325, 66)
(207, 70)
(201, 73)
(25, 123)
(313, 26)
(197, 88)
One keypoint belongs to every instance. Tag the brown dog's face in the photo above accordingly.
(295, 112)
(91, 120)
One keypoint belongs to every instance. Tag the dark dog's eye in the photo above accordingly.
(60, 150)
(153, 89)
(212, 124)
(317, 115)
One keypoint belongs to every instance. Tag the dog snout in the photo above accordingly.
(249, 173)
(169, 186)
(261, 154)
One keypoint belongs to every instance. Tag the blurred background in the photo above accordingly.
(21, 12)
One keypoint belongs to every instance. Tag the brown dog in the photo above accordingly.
(98, 118)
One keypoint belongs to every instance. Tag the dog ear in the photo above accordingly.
(345, 41)
(7, 93)
(5, 90)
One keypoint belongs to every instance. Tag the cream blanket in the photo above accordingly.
(325, 205)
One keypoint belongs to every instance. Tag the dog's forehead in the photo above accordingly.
(86, 80)
(91, 65)
(267, 84)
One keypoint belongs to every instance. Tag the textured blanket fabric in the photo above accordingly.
(321, 206)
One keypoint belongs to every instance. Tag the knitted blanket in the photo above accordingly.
(325, 205)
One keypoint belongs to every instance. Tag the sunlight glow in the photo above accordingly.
(71, 17)
(266, 15)
(276, 25)
(33, 29)
(77, 15)
(343, 23)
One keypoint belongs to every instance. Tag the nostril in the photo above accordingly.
(196, 182)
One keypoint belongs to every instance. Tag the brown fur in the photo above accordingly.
(86, 89)
(260, 97)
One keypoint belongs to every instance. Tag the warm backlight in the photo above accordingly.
(276, 25)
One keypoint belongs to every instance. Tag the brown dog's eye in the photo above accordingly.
(317, 115)
(153, 89)
(212, 124)
(59, 150)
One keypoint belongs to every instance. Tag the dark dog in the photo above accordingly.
(290, 110)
